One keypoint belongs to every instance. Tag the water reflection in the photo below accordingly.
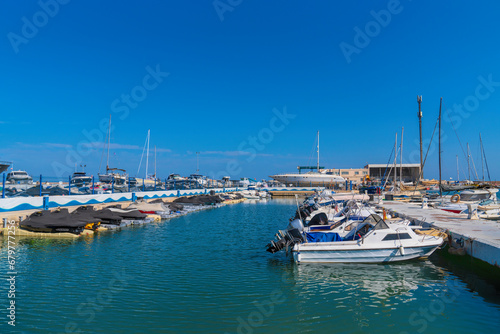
(381, 281)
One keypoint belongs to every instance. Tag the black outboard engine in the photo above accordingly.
(305, 211)
(288, 238)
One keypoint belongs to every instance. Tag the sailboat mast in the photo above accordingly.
(481, 149)
(395, 161)
(401, 160)
(318, 153)
(419, 100)
(440, 189)
(109, 139)
(468, 161)
(155, 161)
(147, 156)
(458, 173)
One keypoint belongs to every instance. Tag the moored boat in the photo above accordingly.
(81, 179)
(19, 177)
(59, 221)
(369, 241)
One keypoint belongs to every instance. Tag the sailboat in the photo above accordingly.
(317, 178)
(116, 175)
(149, 180)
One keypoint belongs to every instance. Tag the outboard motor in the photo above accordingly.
(287, 239)
(296, 224)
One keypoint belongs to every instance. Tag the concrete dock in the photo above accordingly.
(480, 238)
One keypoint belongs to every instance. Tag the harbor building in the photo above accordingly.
(356, 175)
(377, 172)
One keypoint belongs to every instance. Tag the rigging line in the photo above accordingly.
(311, 155)
(426, 154)
(481, 156)
(387, 166)
(486, 164)
(474, 166)
(454, 129)
(390, 170)
(102, 154)
(462, 171)
(142, 156)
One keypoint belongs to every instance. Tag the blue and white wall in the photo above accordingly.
(39, 203)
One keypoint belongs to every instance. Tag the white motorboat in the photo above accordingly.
(313, 179)
(250, 194)
(19, 177)
(370, 241)
(459, 202)
(116, 175)
(264, 194)
(149, 208)
(81, 179)
(199, 180)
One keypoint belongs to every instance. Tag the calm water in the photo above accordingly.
(209, 272)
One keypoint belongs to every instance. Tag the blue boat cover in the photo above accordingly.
(322, 237)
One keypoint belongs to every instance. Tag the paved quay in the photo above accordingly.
(481, 238)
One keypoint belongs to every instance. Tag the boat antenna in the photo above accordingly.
(419, 100)
(439, 133)
(298, 207)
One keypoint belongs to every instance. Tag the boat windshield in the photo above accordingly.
(379, 223)
(474, 196)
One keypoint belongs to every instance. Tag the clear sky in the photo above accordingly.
(246, 83)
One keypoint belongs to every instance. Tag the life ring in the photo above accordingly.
(455, 198)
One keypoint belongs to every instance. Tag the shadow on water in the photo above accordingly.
(41, 243)
(393, 279)
(380, 280)
(479, 276)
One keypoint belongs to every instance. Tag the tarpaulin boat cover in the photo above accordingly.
(323, 237)
(61, 218)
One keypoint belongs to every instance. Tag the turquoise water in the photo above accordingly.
(209, 272)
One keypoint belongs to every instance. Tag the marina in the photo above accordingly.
(156, 279)
(250, 167)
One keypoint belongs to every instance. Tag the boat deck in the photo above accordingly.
(481, 238)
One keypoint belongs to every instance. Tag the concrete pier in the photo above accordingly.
(480, 238)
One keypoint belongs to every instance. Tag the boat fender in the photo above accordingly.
(402, 250)
(455, 198)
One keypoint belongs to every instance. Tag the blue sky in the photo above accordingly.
(245, 83)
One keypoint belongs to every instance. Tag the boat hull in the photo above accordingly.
(327, 254)
(308, 179)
